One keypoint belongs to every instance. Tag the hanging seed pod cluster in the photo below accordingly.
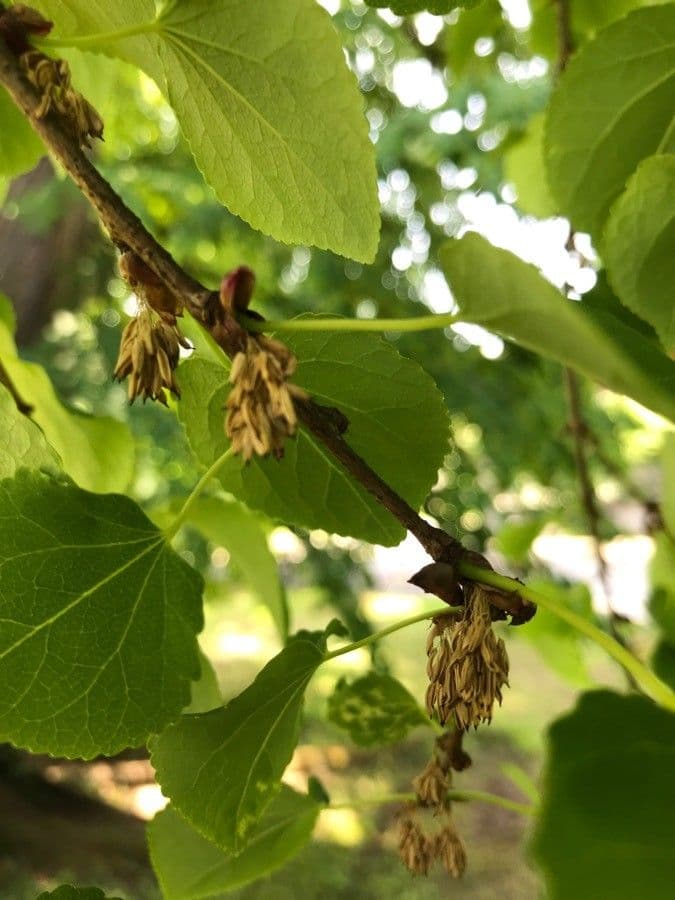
(260, 408)
(467, 664)
(427, 832)
(149, 353)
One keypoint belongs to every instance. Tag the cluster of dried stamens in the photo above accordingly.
(427, 830)
(51, 77)
(149, 353)
(260, 409)
(467, 664)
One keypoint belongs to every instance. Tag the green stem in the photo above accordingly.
(420, 617)
(419, 323)
(458, 796)
(91, 41)
(210, 473)
(644, 677)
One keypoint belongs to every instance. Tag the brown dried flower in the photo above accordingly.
(415, 848)
(260, 409)
(432, 784)
(149, 352)
(450, 850)
(51, 77)
(467, 664)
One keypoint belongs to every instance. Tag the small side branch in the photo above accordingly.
(21, 404)
(578, 429)
(563, 13)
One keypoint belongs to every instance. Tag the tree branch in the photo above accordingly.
(578, 429)
(128, 233)
(563, 14)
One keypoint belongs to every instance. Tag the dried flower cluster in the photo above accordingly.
(51, 77)
(149, 353)
(419, 847)
(260, 409)
(432, 784)
(467, 664)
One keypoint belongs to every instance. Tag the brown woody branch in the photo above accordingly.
(128, 233)
(578, 429)
(563, 13)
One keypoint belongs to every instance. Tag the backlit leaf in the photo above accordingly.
(639, 240)
(230, 524)
(22, 443)
(98, 453)
(189, 867)
(267, 103)
(498, 290)
(612, 109)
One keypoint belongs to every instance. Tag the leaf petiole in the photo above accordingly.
(211, 472)
(100, 39)
(418, 323)
(390, 629)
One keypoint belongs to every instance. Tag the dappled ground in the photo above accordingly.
(49, 834)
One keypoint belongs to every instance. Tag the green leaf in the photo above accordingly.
(222, 768)
(501, 292)
(205, 694)
(271, 112)
(98, 621)
(189, 867)
(375, 709)
(605, 822)
(662, 571)
(398, 424)
(230, 524)
(98, 453)
(639, 240)
(524, 167)
(409, 7)
(22, 444)
(558, 643)
(483, 20)
(68, 892)
(20, 147)
(515, 538)
(668, 466)
(586, 19)
(663, 662)
(613, 107)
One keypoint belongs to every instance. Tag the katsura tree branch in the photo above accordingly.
(128, 233)
(577, 427)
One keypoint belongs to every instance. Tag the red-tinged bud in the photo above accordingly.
(236, 290)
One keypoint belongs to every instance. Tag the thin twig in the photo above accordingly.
(577, 428)
(21, 404)
(563, 14)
